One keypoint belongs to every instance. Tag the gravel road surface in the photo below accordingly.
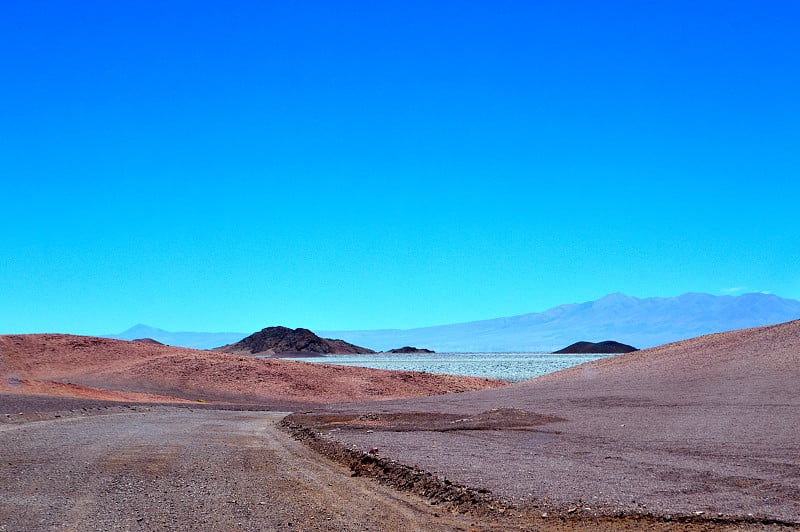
(177, 469)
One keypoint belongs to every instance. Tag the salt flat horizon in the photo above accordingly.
(510, 367)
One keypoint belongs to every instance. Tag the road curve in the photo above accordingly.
(178, 469)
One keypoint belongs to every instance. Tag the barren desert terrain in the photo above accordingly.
(698, 435)
(707, 428)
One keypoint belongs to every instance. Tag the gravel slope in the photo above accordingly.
(708, 425)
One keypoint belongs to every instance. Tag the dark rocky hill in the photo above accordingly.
(277, 340)
(410, 350)
(606, 347)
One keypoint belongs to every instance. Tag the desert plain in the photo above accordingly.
(97, 434)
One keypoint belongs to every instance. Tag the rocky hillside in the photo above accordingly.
(283, 340)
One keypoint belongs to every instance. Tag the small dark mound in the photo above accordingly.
(607, 347)
(410, 350)
(147, 341)
(279, 340)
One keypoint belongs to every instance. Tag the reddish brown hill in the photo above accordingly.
(278, 340)
(81, 366)
(735, 366)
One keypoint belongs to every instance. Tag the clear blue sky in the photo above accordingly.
(218, 166)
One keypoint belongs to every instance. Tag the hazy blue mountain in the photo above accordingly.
(638, 322)
(196, 340)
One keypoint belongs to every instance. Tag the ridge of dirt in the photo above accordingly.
(391, 472)
(494, 419)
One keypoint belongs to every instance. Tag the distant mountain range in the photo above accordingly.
(195, 340)
(640, 322)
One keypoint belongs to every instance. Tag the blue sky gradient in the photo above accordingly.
(354, 165)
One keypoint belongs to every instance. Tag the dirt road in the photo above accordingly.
(177, 469)
(164, 468)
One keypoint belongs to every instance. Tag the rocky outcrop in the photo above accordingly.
(280, 340)
(410, 350)
(607, 347)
